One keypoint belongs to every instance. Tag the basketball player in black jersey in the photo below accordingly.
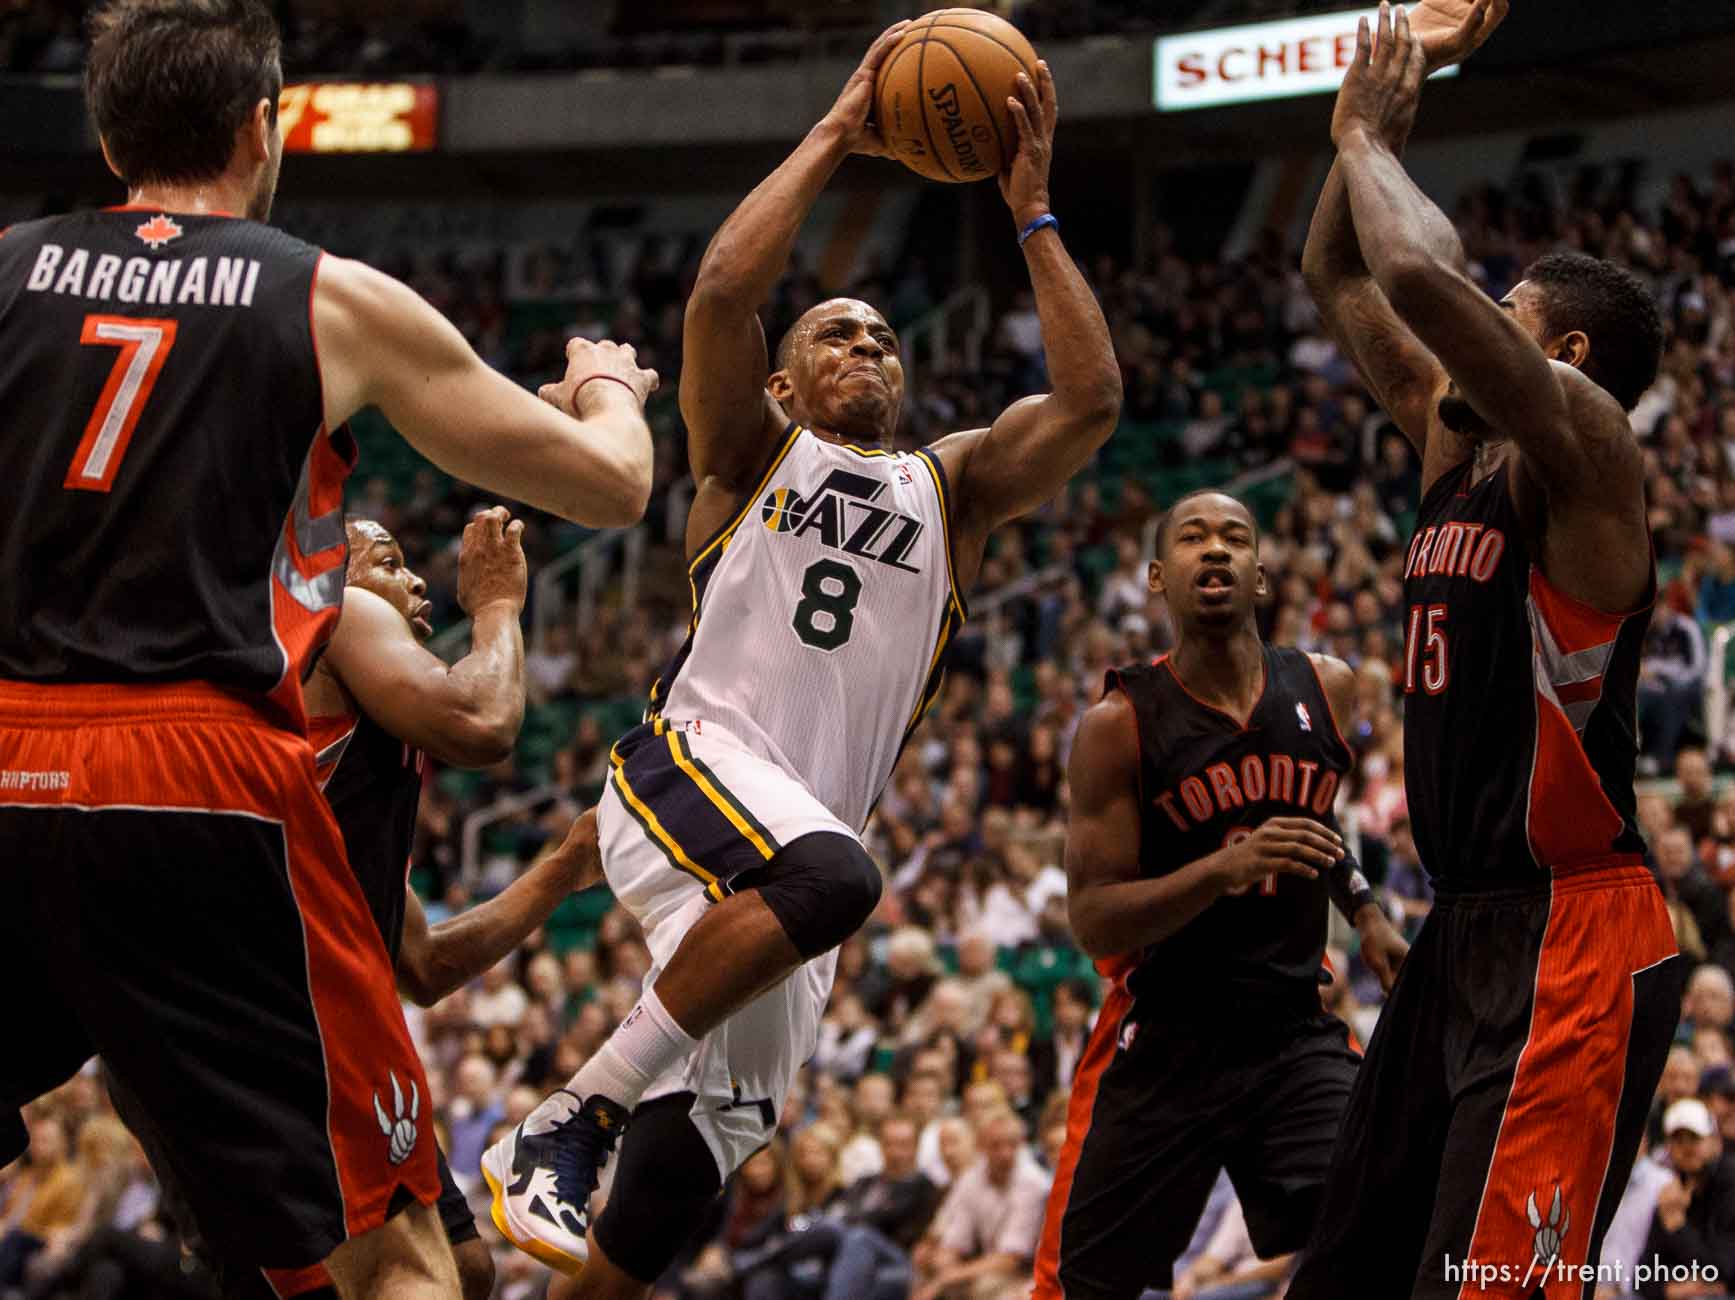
(1202, 857)
(1501, 1103)
(378, 701)
(175, 379)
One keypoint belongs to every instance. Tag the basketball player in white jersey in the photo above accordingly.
(828, 576)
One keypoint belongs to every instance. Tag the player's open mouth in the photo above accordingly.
(1215, 584)
(421, 619)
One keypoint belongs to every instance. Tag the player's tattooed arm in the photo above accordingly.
(433, 961)
(731, 420)
(1113, 909)
(1039, 443)
(583, 452)
(1403, 375)
(1501, 371)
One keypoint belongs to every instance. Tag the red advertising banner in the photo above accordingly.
(357, 117)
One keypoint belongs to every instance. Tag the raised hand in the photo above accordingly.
(581, 853)
(852, 115)
(1384, 84)
(491, 561)
(609, 365)
(1453, 30)
(1034, 110)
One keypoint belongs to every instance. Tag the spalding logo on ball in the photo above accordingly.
(940, 100)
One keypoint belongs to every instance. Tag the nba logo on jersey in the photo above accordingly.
(1129, 1031)
(1306, 718)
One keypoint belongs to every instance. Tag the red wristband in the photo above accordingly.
(611, 378)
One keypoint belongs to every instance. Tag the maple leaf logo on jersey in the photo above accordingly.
(159, 230)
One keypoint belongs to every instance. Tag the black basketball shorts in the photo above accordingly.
(1157, 1110)
(1499, 1109)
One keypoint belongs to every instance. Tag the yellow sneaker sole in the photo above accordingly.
(558, 1260)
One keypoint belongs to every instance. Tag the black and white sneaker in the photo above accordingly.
(542, 1175)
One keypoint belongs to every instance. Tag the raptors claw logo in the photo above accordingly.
(1550, 1235)
(398, 1127)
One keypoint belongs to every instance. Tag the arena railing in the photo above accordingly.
(973, 306)
(614, 555)
(470, 860)
(1240, 485)
(617, 554)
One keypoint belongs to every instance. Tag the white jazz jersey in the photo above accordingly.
(822, 613)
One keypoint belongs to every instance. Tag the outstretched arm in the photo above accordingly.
(582, 452)
(467, 714)
(1039, 443)
(731, 419)
(1498, 367)
(432, 962)
(1113, 910)
(1403, 375)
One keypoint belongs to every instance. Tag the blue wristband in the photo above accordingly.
(1046, 219)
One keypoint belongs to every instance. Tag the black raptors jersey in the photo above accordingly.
(1520, 703)
(1205, 782)
(373, 781)
(173, 510)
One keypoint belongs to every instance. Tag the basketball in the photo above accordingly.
(940, 100)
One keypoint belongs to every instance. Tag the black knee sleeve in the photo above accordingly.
(822, 888)
(663, 1190)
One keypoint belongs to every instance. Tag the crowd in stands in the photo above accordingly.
(918, 1144)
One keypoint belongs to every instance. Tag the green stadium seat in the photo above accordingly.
(1265, 499)
(1229, 381)
(1037, 968)
(575, 922)
(460, 785)
(1095, 563)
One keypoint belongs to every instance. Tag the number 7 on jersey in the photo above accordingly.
(144, 346)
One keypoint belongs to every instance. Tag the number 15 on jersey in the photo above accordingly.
(1426, 663)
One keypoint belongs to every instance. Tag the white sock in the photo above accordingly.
(647, 1043)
